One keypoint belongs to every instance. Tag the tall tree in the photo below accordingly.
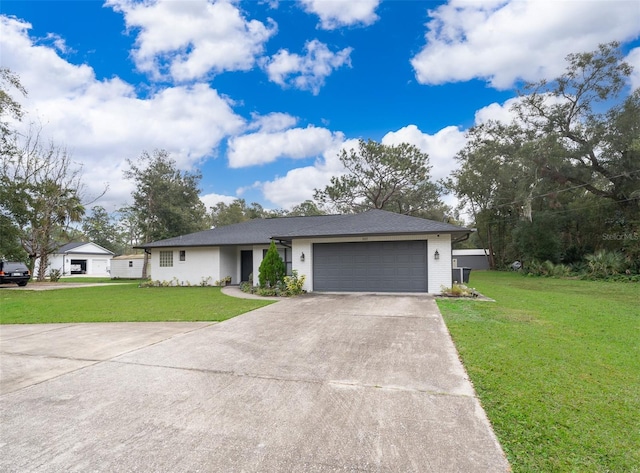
(165, 200)
(238, 211)
(9, 106)
(100, 228)
(596, 148)
(572, 151)
(378, 176)
(10, 247)
(307, 208)
(42, 190)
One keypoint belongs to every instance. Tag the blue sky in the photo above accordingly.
(262, 95)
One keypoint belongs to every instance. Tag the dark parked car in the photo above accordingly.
(17, 273)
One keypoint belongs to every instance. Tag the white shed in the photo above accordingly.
(127, 266)
(470, 258)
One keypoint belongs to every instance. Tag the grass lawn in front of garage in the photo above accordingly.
(555, 363)
(121, 303)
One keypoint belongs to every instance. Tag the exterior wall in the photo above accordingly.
(439, 271)
(56, 262)
(63, 263)
(120, 267)
(229, 257)
(303, 267)
(200, 264)
(471, 258)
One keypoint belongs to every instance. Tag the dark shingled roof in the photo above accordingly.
(262, 231)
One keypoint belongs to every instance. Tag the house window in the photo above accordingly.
(131, 264)
(183, 255)
(166, 259)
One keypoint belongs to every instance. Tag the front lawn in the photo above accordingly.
(121, 303)
(556, 364)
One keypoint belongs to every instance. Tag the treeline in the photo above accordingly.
(560, 182)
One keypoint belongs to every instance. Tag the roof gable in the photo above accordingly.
(87, 248)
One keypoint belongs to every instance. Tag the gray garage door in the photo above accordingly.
(380, 266)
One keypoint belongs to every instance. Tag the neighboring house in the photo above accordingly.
(471, 258)
(374, 251)
(127, 266)
(81, 258)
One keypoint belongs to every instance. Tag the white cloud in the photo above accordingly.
(265, 147)
(497, 112)
(336, 13)
(299, 184)
(271, 122)
(633, 58)
(441, 147)
(204, 37)
(306, 72)
(102, 123)
(502, 42)
(209, 200)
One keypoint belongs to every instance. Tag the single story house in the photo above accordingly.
(127, 266)
(373, 251)
(471, 258)
(81, 258)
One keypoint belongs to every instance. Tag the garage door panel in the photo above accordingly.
(393, 266)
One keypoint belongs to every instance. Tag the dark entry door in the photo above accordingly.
(246, 264)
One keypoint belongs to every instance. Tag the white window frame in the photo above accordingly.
(166, 259)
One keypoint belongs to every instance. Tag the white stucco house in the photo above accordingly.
(374, 251)
(81, 258)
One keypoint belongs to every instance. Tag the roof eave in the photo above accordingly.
(463, 231)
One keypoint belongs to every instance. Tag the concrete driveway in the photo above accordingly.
(320, 383)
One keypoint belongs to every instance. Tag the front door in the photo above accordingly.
(246, 264)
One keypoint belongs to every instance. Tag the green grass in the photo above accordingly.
(556, 364)
(122, 303)
(89, 279)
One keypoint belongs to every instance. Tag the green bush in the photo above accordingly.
(272, 268)
(546, 269)
(293, 284)
(603, 264)
(55, 275)
(268, 291)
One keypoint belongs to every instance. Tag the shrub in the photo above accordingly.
(55, 275)
(268, 291)
(293, 284)
(546, 269)
(603, 264)
(272, 269)
(458, 290)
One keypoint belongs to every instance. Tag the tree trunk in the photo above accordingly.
(145, 265)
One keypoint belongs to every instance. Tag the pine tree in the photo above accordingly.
(272, 269)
